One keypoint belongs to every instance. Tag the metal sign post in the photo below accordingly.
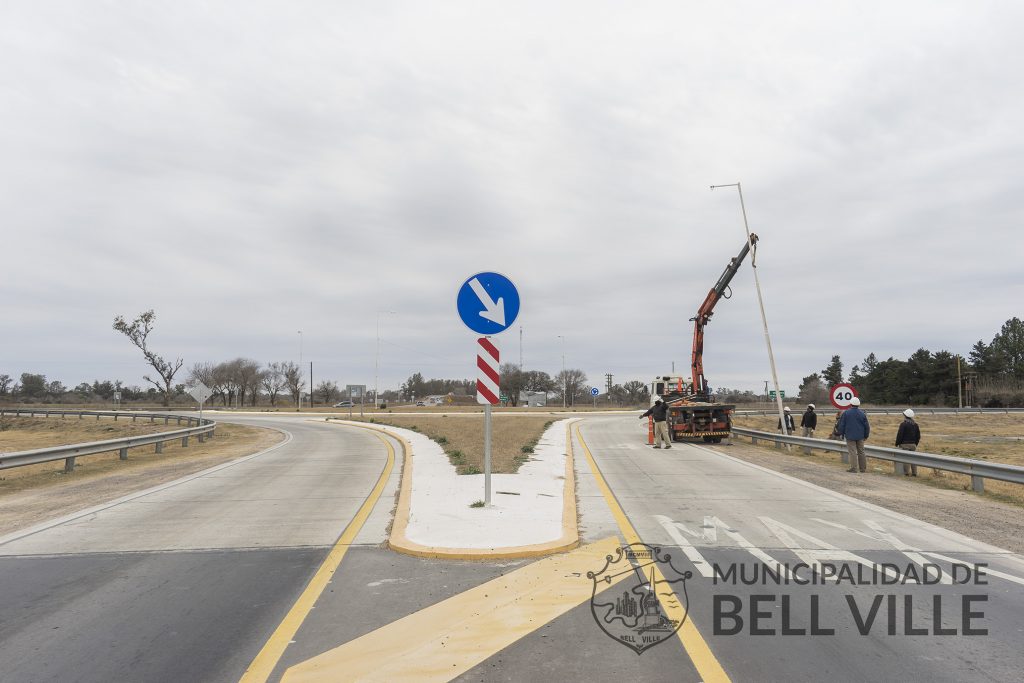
(488, 304)
(200, 392)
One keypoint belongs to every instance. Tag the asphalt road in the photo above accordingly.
(709, 509)
(187, 583)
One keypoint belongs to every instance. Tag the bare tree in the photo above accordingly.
(5, 384)
(138, 332)
(247, 375)
(572, 382)
(328, 391)
(511, 382)
(226, 375)
(273, 381)
(293, 379)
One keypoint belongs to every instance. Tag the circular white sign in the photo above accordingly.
(842, 395)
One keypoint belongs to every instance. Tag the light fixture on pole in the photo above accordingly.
(760, 301)
(376, 363)
(300, 370)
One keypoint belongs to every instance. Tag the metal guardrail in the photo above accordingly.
(977, 470)
(203, 428)
(893, 411)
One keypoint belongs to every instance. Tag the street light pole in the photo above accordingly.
(760, 301)
(376, 364)
(565, 380)
(300, 369)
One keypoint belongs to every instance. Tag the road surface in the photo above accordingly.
(193, 581)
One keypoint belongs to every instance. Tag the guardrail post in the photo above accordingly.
(166, 419)
(115, 417)
(133, 418)
(844, 456)
(152, 418)
(978, 483)
(202, 437)
(159, 447)
(184, 442)
(97, 417)
(124, 453)
(81, 415)
(69, 464)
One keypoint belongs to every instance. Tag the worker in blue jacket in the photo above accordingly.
(854, 427)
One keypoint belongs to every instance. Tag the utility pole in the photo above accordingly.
(565, 380)
(376, 363)
(300, 369)
(959, 384)
(760, 301)
(312, 399)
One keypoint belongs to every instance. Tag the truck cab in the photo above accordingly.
(691, 416)
(668, 387)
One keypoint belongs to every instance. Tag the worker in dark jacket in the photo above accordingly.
(908, 437)
(854, 427)
(659, 411)
(809, 421)
(790, 424)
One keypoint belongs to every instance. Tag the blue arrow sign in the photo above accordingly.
(595, 391)
(488, 303)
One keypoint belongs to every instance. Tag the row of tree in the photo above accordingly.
(36, 388)
(991, 376)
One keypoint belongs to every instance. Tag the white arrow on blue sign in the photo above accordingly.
(595, 391)
(488, 303)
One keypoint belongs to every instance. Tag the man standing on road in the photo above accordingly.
(659, 411)
(854, 427)
(907, 438)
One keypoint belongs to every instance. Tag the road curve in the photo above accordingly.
(186, 582)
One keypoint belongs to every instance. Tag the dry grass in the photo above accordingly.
(512, 438)
(25, 433)
(993, 437)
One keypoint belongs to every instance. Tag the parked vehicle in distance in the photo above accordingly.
(421, 403)
(343, 404)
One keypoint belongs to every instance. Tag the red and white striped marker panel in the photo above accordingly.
(488, 379)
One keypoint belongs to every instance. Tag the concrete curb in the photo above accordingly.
(399, 542)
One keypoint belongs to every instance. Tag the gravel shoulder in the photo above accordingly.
(978, 516)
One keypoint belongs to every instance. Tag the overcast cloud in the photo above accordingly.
(253, 169)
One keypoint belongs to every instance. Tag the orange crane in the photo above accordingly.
(692, 410)
(704, 313)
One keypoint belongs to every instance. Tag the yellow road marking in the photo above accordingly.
(263, 665)
(445, 640)
(703, 659)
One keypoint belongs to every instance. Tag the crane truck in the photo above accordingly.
(692, 411)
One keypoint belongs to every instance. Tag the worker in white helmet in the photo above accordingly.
(908, 437)
(809, 421)
(790, 424)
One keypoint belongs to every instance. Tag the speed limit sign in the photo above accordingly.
(841, 395)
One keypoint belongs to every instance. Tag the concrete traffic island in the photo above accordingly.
(533, 512)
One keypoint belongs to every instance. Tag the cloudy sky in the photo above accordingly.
(251, 169)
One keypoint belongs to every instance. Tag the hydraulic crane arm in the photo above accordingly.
(706, 310)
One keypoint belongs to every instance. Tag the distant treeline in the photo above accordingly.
(991, 376)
